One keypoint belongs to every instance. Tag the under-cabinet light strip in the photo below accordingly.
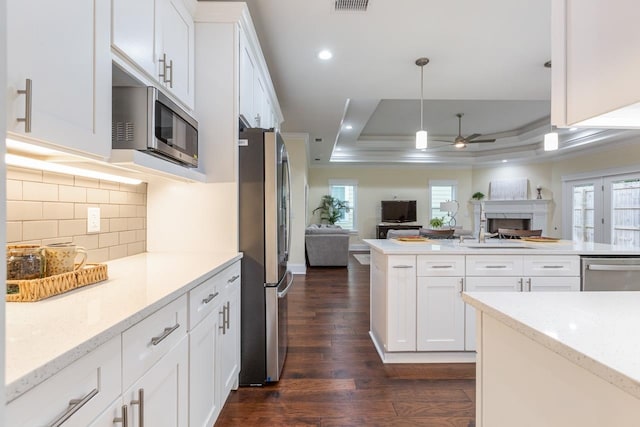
(25, 162)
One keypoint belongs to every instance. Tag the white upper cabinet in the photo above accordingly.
(595, 65)
(63, 49)
(158, 37)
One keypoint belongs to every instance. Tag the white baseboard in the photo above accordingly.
(297, 268)
(359, 247)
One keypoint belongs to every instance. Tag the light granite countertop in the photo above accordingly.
(595, 330)
(497, 246)
(44, 337)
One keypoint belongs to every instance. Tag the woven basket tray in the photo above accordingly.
(38, 289)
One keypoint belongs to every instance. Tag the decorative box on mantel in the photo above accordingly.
(532, 212)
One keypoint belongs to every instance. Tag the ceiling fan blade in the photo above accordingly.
(481, 140)
(442, 140)
(472, 136)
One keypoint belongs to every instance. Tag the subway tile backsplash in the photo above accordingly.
(45, 207)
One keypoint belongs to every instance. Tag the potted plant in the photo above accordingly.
(332, 209)
(477, 195)
(436, 222)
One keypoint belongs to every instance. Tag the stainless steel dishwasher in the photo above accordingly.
(610, 274)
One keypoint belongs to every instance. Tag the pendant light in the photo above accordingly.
(551, 141)
(421, 135)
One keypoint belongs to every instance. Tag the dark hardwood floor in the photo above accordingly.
(333, 375)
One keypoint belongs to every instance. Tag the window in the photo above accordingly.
(346, 190)
(604, 209)
(439, 192)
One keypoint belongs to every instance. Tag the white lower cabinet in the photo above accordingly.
(401, 297)
(75, 396)
(516, 273)
(160, 396)
(440, 309)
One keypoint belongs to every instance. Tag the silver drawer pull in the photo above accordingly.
(123, 418)
(74, 406)
(496, 266)
(553, 266)
(167, 331)
(27, 92)
(442, 266)
(208, 299)
(233, 279)
(403, 266)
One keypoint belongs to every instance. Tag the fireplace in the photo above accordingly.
(516, 223)
(520, 214)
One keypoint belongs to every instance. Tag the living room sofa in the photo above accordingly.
(327, 245)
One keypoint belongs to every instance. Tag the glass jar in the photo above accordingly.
(24, 262)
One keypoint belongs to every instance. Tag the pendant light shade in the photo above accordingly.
(421, 135)
(551, 141)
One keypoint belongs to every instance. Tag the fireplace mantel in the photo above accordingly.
(537, 210)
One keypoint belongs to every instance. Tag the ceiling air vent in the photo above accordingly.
(351, 5)
(318, 140)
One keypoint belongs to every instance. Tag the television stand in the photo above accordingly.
(381, 229)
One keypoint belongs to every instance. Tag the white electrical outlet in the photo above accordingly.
(93, 220)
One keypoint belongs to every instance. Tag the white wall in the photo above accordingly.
(297, 149)
(385, 183)
(3, 237)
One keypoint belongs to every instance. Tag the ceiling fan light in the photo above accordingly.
(460, 144)
(421, 140)
(551, 141)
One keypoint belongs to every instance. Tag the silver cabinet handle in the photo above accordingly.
(496, 266)
(403, 266)
(224, 320)
(27, 92)
(461, 285)
(123, 418)
(163, 74)
(612, 267)
(441, 266)
(520, 282)
(233, 279)
(140, 403)
(167, 331)
(170, 68)
(553, 266)
(208, 299)
(74, 406)
(529, 284)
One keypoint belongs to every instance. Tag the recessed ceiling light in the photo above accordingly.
(504, 161)
(572, 129)
(338, 149)
(325, 54)
(348, 127)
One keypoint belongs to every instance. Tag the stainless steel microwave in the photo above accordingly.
(145, 119)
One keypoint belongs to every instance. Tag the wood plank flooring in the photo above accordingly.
(333, 375)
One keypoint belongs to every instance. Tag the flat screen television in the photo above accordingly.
(399, 211)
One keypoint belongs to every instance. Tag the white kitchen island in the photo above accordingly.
(557, 359)
(417, 312)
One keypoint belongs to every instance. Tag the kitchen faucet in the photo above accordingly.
(483, 221)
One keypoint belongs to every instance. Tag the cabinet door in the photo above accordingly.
(63, 47)
(246, 82)
(551, 265)
(440, 314)
(259, 101)
(177, 43)
(378, 298)
(488, 284)
(494, 265)
(229, 342)
(134, 32)
(163, 391)
(552, 284)
(401, 314)
(203, 401)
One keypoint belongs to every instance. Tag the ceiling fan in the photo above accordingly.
(461, 141)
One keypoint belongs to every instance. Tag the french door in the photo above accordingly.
(603, 209)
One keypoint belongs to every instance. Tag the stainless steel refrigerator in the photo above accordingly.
(264, 240)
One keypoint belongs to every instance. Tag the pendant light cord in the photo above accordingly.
(421, 96)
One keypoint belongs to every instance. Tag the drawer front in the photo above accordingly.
(146, 342)
(92, 383)
(203, 298)
(492, 265)
(441, 265)
(560, 265)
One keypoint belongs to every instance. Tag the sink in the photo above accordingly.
(495, 245)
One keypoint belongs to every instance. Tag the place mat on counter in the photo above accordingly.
(412, 239)
(540, 239)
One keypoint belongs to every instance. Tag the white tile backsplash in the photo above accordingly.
(45, 207)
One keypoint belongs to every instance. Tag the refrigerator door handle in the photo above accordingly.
(285, 291)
